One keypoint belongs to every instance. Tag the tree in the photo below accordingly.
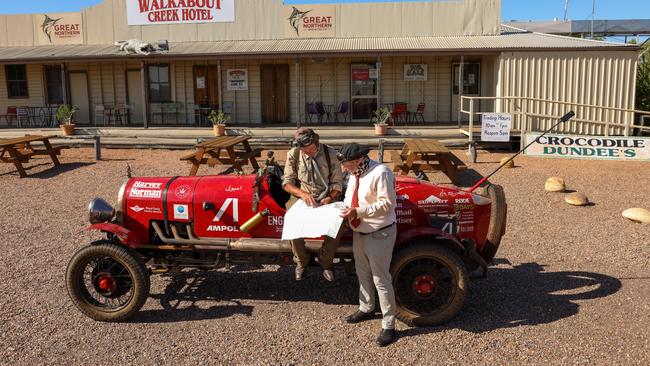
(643, 80)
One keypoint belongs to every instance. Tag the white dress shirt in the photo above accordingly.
(377, 197)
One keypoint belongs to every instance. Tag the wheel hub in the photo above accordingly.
(106, 283)
(424, 285)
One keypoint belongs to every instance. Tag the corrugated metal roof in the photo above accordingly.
(511, 39)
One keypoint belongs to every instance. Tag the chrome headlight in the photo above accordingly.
(100, 211)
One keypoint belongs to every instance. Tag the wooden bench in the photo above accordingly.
(19, 150)
(426, 155)
(222, 151)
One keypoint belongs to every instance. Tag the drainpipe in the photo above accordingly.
(145, 101)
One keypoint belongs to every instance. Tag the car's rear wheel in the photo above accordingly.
(107, 282)
(430, 283)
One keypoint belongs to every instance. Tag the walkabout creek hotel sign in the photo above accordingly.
(150, 12)
(589, 147)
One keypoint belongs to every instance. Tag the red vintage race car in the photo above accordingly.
(165, 224)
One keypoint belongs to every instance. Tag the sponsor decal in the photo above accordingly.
(463, 207)
(276, 221)
(402, 197)
(233, 189)
(589, 147)
(182, 191)
(405, 220)
(403, 212)
(146, 190)
(149, 12)
(224, 207)
(151, 210)
(462, 200)
(137, 208)
(181, 212)
(466, 229)
(432, 200)
(219, 228)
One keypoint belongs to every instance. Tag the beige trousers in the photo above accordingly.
(372, 256)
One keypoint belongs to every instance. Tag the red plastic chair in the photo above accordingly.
(12, 115)
(400, 112)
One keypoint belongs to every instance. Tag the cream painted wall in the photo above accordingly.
(106, 22)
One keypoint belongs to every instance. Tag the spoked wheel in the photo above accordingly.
(430, 284)
(107, 282)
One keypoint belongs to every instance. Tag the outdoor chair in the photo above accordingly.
(11, 115)
(322, 112)
(22, 115)
(100, 114)
(310, 111)
(400, 113)
(157, 112)
(418, 114)
(343, 110)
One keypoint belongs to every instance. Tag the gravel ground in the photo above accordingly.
(570, 284)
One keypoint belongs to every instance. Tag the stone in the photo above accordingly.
(576, 199)
(509, 164)
(554, 184)
(637, 214)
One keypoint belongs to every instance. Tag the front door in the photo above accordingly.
(79, 97)
(363, 90)
(471, 88)
(275, 93)
(134, 90)
(206, 86)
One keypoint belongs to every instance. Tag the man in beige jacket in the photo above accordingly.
(313, 174)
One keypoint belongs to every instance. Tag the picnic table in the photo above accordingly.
(19, 150)
(224, 150)
(426, 156)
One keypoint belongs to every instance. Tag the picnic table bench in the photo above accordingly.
(224, 150)
(426, 156)
(19, 150)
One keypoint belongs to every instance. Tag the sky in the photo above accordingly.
(511, 9)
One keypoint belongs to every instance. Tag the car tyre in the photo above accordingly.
(430, 282)
(107, 282)
(498, 216)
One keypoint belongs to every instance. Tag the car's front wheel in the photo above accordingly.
(430, 283)
(107, 282)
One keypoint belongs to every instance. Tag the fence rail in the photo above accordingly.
(534, 114)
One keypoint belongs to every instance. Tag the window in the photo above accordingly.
(16, 81)
(54, 85)
(160, 90)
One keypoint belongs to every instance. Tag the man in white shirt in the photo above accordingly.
(371, 199)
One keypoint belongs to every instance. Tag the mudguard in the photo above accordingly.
(125, 236)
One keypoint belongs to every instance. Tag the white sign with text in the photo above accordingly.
(496, 127)
(150, 12)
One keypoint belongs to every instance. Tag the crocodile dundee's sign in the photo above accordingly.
(589, 147)
(309, 21)
(149, 12)
(58, 28)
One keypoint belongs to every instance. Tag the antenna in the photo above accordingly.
(566, 9)
(593, 12)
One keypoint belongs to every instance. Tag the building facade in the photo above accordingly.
(264, 62)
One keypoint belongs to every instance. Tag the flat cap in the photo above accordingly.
(353, 151)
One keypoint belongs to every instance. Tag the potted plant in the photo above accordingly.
(219, 120)
(65, 116)
(381, 117)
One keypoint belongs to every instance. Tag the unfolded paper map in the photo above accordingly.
(302, 221)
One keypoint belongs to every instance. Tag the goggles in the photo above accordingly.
(303, 140)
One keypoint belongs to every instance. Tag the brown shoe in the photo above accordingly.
(300, 271)
(386, 337)
(358, 316)
(328, 274)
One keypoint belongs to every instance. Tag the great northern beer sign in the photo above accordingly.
(589, 147)
(309, 21)
(150, 12)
